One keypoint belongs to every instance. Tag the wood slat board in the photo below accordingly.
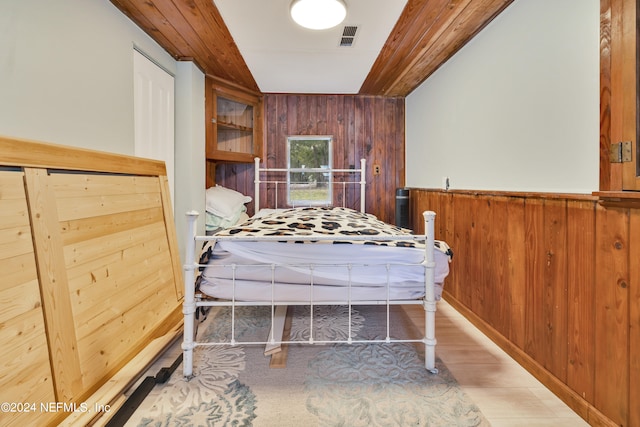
(612, 313)
(118, 264)
(516, 259)
(52, 275)
(581, 297)
(497, 255)
(534, 280)
(634, 318)
(555, 288)
(25, 373)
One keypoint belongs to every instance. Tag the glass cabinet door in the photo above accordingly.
(234, 122)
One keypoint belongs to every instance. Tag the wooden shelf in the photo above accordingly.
(222, 126)
(231, 156)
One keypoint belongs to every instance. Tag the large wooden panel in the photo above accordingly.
(25, 373)
(91, 275)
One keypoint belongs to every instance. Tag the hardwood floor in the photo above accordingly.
(505, 392)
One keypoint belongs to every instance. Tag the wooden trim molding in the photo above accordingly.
(27, 153)
(523, 194)
(619, 199)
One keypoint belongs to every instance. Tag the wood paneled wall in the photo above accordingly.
(554, 279)
(362, 127)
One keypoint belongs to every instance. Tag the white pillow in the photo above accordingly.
(214, 222)
(225, 202)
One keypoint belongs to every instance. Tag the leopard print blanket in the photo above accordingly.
(321, 222)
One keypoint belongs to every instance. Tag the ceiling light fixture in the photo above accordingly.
(318, 14)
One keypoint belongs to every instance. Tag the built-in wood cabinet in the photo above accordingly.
(619, 92)
(234, 125)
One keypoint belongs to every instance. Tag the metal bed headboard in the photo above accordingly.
(258, 171)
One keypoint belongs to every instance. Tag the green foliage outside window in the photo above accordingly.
(311, 187)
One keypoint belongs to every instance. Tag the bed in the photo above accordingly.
(313, 256)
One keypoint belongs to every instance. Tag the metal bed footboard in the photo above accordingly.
(192, 302)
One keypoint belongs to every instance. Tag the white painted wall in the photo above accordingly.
(517, 109)
(66, 77)
(190, 148)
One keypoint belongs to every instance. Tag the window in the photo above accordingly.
(308, 159)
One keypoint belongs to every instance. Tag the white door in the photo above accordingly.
(154, 114)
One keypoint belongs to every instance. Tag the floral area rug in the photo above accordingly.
(322, 385)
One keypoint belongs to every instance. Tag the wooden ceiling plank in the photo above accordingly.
(445, 21)
(151, 21)
(195, 46)
(207, 20)
(467, 23)
(427, 34)
(420, 74)
(215, 63)
(413, 52)
(434, 43)
(418, 17)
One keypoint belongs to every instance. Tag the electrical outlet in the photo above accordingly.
(376, 169)
(445, 182)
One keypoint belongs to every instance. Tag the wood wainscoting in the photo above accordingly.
(554, 280)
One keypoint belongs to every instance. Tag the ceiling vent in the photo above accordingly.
(348, 35)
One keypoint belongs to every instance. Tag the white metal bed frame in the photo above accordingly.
(192, 301)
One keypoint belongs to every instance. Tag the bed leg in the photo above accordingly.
(430, 337)
(189, 303)
(430, 296)
(188, 343)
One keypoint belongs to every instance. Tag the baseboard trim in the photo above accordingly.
(578, 404)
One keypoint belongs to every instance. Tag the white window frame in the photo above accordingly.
(293, 169)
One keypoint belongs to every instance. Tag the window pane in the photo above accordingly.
(306, 183)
